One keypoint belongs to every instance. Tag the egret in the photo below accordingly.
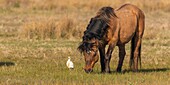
(69, 63)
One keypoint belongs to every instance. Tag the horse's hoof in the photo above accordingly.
(135, 70)
(105, 72)
(119, 70)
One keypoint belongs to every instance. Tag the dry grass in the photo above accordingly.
(68, 28)
(50, 29)
(85, 5)
(72, 16)
(38, 30)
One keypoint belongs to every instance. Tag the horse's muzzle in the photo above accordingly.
(88, 70)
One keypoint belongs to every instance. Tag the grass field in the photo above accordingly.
(37, 36)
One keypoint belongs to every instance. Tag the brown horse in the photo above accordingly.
(113, 28)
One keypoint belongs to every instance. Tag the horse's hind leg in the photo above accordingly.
(131, 62)
(122, 54)
(136, 46)
(135, 53)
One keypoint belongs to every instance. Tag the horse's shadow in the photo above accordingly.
(148, 70)
(7, 64)
(155, 70)
(140, 70)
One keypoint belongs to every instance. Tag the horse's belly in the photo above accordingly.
(126, 34)
(125, 38)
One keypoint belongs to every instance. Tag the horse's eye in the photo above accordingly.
(89, 51)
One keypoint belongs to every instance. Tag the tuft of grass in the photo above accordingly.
(50, 29)
(38, 30)
(68, 28)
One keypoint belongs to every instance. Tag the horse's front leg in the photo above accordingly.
(112, 43)
(102, 57)
(108, 57)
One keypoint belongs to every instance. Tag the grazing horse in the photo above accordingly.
(113, 28)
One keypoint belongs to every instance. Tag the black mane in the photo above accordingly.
(95, 29)
(99, 24)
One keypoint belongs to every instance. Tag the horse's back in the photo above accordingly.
(128, 20)
(129, 7)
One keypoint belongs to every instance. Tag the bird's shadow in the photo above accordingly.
(7, 64)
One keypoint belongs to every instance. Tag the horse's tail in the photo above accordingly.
(137, 40)
(140, 61)
(141, 26)
(139, 55)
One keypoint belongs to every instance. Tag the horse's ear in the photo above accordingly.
(90, 23)
(91, 20)
(80, 47)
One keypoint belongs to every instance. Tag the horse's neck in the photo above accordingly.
(114, 23)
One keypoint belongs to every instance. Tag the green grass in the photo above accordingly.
(43, 62)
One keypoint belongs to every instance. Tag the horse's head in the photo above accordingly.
(91, 41)
(90, 51)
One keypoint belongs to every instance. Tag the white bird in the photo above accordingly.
(69, 63)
